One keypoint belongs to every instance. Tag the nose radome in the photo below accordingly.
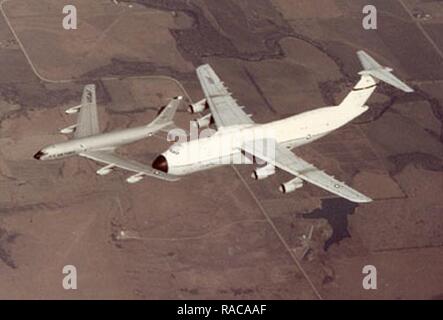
(38, 155)
(160, 163)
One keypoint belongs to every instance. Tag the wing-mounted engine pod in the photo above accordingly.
(69, 129)
(203, 122)
(263, 172)
(291, 186)
(73, 109)
(135, 178)
(199, 106)
(105, 170)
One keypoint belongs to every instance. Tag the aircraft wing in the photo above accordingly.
(113, 160)
(164, 120)
(224, 109)
(87, 123)
(289, 162)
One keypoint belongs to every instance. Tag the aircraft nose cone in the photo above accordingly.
(38, 155)
(160, 163)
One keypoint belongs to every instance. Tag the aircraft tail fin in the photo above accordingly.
(166, 114)
(379, 72)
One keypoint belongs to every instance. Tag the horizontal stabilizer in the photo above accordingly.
(379, 72)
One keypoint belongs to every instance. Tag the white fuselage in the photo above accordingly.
(103, 141)
(224, 147)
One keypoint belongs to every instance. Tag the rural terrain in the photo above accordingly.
(220, 234)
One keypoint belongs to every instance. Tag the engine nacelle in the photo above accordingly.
(203, 121)
(105, 170)
(69, 129)
(135, 178)
(291, 186)
(199, 106)
(263, 172)
(73, 109)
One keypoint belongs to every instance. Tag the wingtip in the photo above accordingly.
(202, 66)
(405, 88)
(365, 200)
(361, 54)
(361, 198)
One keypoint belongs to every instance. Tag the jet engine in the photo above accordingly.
(203, 121)
(263, 172)
(199, 106)
(135, 178)
(105, 170)
(291, 186)
(69, 129)
(73, 109)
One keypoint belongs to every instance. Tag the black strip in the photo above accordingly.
(225, 310)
